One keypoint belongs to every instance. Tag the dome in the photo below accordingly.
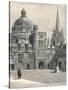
(23, 21)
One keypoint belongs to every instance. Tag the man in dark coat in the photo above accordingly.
(19, 74)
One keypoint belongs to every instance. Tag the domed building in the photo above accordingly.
(30, 49)
(22, 24)
(21, 50)
(27, 45)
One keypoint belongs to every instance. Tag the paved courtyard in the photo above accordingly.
(33, 78)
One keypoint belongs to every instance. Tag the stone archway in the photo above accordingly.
(28, 66)
(59, 65)
(41, 65)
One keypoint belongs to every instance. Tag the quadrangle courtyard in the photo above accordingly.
(37, 78)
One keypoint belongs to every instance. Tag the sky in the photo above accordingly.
(43, 15)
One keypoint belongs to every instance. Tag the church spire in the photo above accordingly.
(57, 21)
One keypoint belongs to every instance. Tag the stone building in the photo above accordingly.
(58, 42)
(22, 54)
(29, 49)
(60, 55)
(57, 35)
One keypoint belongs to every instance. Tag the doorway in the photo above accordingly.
(41, 65)
(60, 65)
(28, 66)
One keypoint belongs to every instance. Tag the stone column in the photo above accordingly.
(35, 30)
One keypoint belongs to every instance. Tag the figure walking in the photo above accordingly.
(56, 66)
(19, 74)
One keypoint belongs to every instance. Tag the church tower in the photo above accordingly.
(55, 35)
(57, 22)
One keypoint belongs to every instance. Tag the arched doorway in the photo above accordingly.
(41, 65)
(60, 65)
(28, 66)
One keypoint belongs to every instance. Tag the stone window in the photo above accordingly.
(20, 57)
(17, 41)
(12, 67)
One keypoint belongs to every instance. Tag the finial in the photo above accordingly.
(23, 13)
